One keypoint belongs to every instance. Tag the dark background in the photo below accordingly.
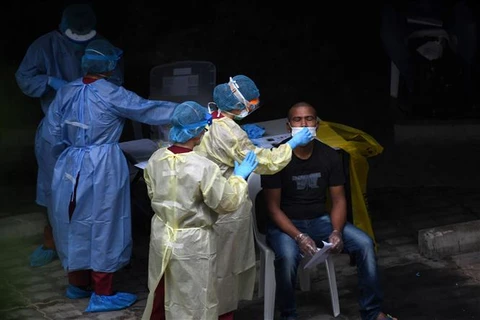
(328, 54)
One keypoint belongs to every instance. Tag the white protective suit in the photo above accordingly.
(224, 143)
(188, 192)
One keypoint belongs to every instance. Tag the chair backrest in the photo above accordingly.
(181, 81)
(425, 21)
(138, 150)
(254, 189)
(178, 82)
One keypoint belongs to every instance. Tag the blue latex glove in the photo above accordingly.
(301, 138)
(56, 83)
(42, 256)
(118, 301)
(253, 131)
(247, 166)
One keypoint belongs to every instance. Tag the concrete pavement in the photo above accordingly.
(415, 287)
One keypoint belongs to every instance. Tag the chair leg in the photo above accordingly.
(332, 281)
(394, 80)
(304, 275)
(270, 285)
(261, 275)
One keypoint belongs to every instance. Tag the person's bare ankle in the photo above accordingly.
(383, 316)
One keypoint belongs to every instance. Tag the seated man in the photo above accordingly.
(295, 198)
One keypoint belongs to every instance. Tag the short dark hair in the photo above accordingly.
(298, 105)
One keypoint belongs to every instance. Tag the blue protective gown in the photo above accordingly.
(85, 122)
(52, 54)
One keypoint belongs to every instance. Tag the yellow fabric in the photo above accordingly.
(359, 146)
(187, 192)
(226, 142)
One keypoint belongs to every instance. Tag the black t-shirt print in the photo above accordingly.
(304, 183)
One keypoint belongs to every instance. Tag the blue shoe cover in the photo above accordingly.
(42, 256)
(74, 292)
(118, 301)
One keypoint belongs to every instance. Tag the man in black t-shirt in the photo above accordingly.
(296, 203)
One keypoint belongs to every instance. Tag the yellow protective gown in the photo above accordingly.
(360, 146)
(187, 193)
(224, 143)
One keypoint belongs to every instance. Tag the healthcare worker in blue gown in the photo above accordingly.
(51, 61)
(90, 214)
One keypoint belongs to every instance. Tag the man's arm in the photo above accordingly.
(338, 214)
(272, 199)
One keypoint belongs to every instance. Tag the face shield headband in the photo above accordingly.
(204, 123)
(212, 107)
(101, 56)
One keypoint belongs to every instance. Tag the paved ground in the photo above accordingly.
(415, 287)
(401, 203)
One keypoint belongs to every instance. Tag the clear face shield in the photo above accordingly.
(250, 106)
(212, 107)
(93, 54)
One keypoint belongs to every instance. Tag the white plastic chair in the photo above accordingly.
(266, 283)
(180, 81)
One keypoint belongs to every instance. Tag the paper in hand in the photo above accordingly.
(319, 256)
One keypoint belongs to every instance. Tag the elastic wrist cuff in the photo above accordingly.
(299, 236)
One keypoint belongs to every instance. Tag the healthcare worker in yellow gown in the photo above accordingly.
(188, 193)
(226, 143)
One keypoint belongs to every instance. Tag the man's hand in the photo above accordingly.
(306, 244)
(336, 240)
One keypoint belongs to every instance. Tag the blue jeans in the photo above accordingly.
(287, 259)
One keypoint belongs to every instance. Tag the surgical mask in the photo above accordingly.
(242, 115)
(78, 37)
(237, 117)
(295, 130)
